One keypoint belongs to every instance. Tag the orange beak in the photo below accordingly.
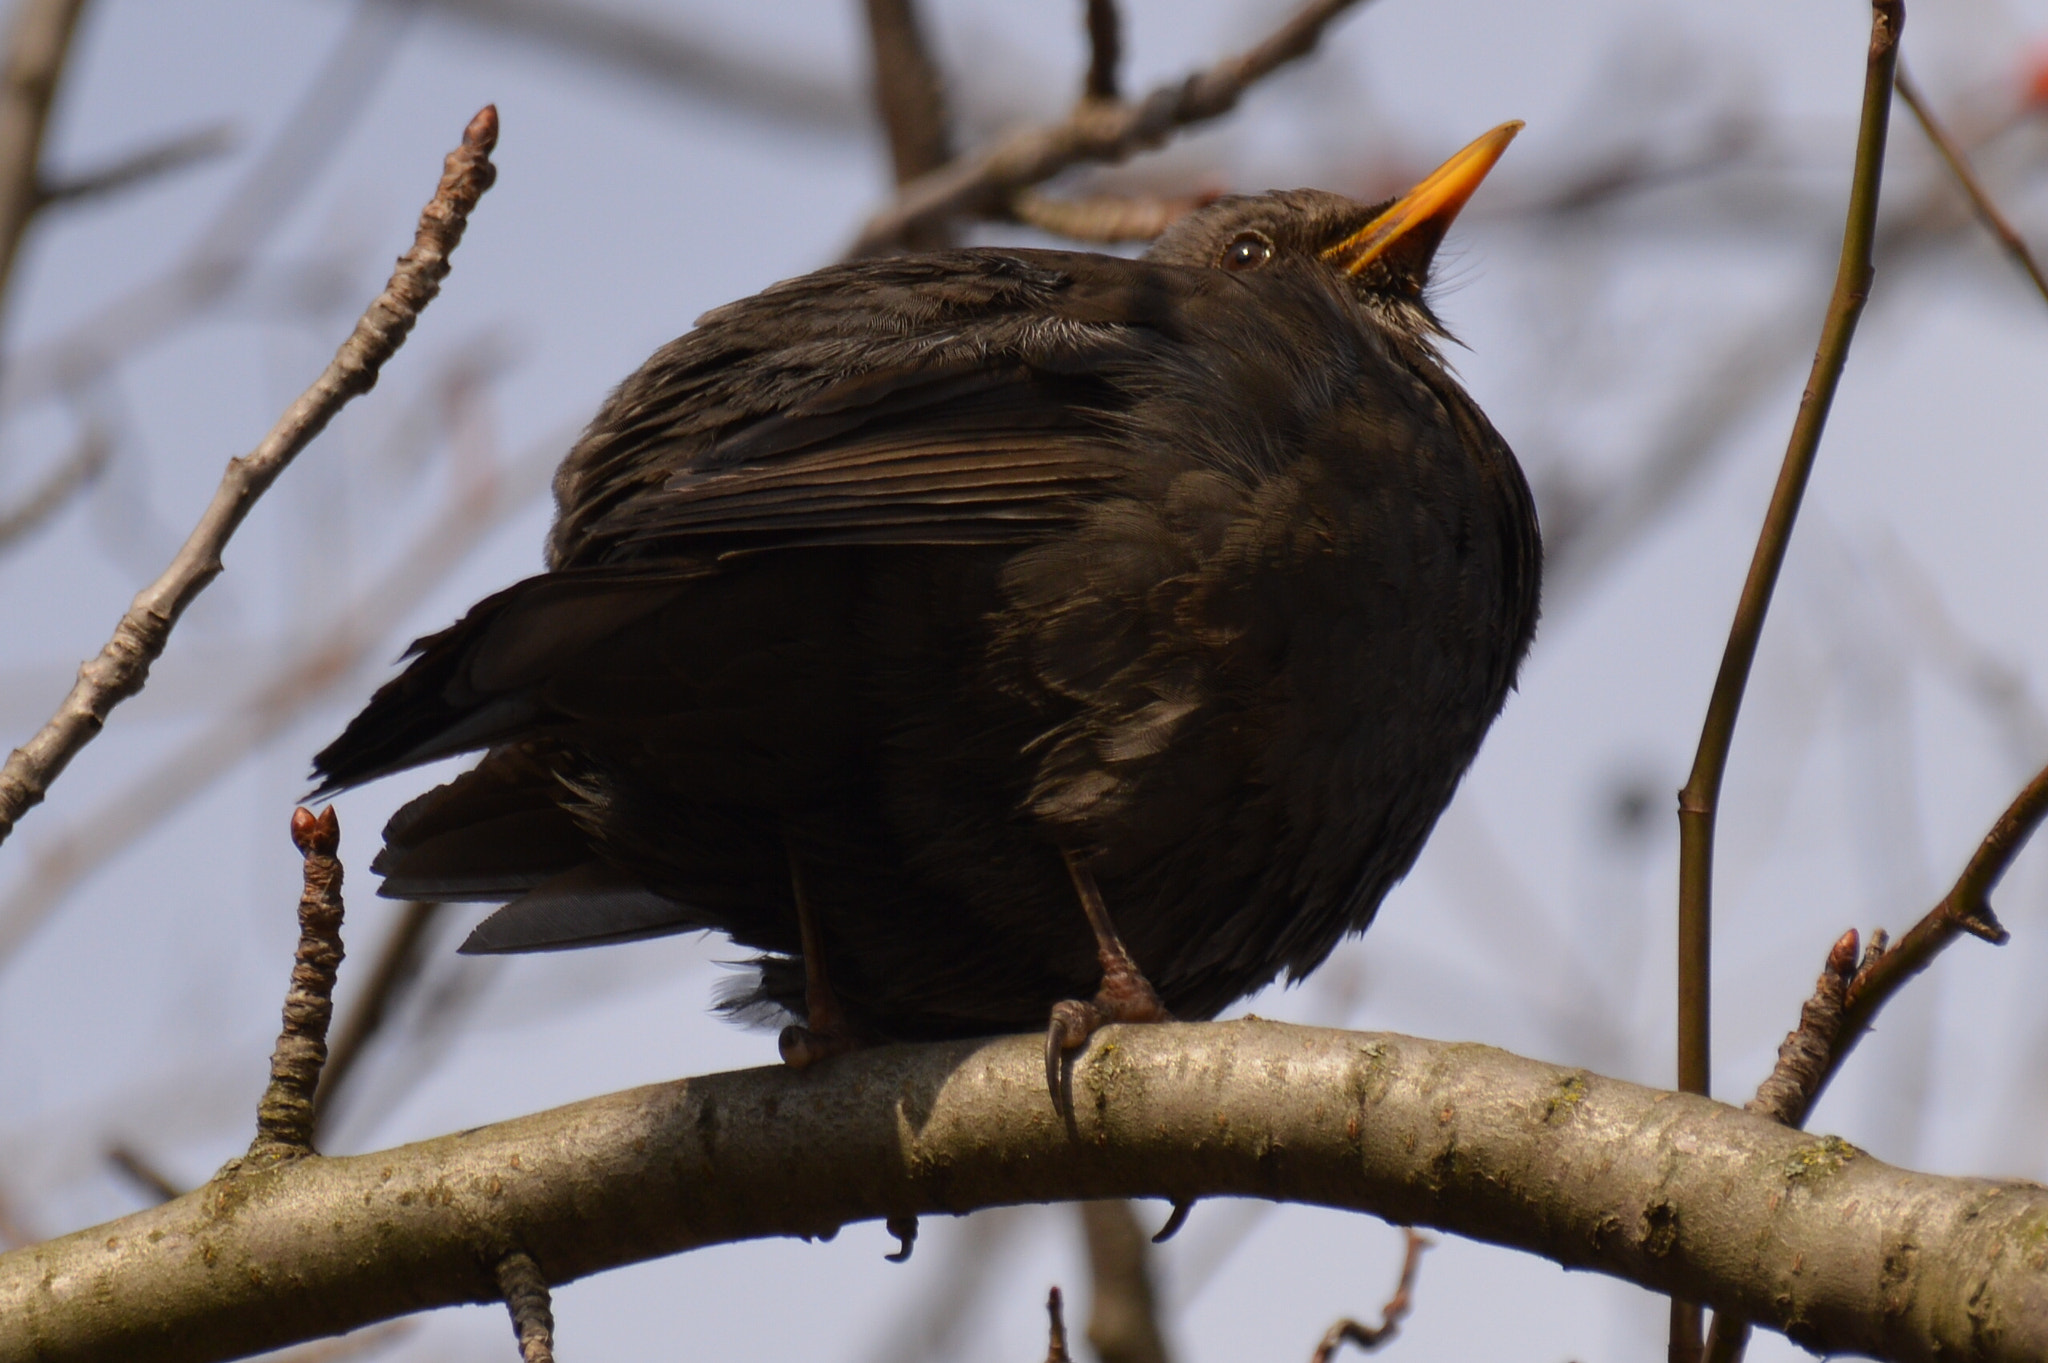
(1416, 222)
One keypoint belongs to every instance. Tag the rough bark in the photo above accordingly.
(1683, 1195)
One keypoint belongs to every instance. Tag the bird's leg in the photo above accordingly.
(1125, 994)
(824, 1031)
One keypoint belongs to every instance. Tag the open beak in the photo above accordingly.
(1406, 236)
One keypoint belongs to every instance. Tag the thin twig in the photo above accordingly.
(257, 717)
(227, 247)
(1392, 1314)
(1700, 799)
(123, 665)
(284, 1117)
(1055, 1329)
(1105, 50)
(1787, 1092)
(1980, 199)
(134, 1166)
(1123, 1316)
(1097, 131)
(1584, 530)
(1849, 994)
(38, 43)
(525, 1290)
(161, 158)
(1966, 908)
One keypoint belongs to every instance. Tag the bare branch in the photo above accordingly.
(226, 248)
(983, 184)
(1803, 1057)
(1586, 529)
(1055, 1329)
(908, 90)
(1682, 1195)
(273, 703)
(1966, 908)
(284, 1118)
(137, 1169)
(1105, 50)
(525, 1291)
(1699, 800)
(1123, 1315)
(1980, 199)
(123, 665)
(1849, 995)
(37, 44)
(1368, 1337)
(1104, 217)
(173, 153)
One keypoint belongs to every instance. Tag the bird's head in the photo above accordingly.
(1381, 251)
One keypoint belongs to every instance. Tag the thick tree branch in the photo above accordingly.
(123, 664)
(1097, 131)
(1848, 995)
(1674, 1192)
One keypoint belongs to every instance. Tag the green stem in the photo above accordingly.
(1699, 801)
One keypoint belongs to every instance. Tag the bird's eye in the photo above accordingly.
(1247, 251)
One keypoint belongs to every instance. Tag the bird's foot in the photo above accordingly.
(1125, 996)
(803, 1047)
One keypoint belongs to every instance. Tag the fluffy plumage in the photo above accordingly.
(920, 571)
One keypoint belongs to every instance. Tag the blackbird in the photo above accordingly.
(991, 634)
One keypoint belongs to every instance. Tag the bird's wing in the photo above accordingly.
(962, 397)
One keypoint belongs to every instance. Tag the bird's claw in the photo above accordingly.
(801, 1047)
(904, 1228)
(1073, 1022)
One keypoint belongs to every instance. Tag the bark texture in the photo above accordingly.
(1683, 1195)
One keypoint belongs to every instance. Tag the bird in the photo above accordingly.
(994, 638)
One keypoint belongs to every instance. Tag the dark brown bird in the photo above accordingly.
(914, 621)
